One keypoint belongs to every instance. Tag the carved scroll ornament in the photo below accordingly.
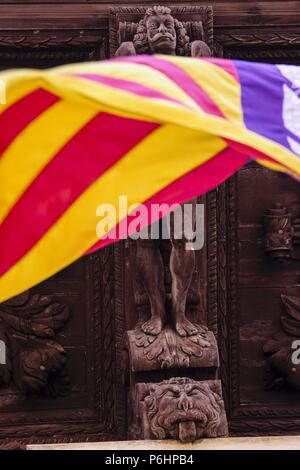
(281, 233)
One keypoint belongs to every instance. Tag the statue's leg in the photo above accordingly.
(151, 269)
(182, 265)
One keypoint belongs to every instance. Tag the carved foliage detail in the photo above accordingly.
(259, 39)
(171, 350)
(33, 361)
(280, 370)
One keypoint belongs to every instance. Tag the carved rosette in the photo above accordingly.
(31, 359)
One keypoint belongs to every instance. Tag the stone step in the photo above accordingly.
(229, 443)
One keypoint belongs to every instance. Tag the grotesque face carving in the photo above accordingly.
(158, 32)
(161, 33)
(184, 409)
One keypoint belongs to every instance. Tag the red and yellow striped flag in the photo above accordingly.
(155, 129)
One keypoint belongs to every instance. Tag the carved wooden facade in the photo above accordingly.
(71, 384)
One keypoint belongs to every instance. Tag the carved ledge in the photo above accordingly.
(43, 39)
(179, 408)
(169, 350)
(259, 39)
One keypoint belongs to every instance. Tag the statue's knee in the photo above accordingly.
(180, 244)
(148, 244)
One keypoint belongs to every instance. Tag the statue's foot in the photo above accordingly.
(153, 326)
(184, 327)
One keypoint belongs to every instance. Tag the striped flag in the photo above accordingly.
(157, 129)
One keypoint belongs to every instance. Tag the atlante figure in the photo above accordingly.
(160, 33)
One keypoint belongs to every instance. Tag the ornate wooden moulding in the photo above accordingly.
(98, 350)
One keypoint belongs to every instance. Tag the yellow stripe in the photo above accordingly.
(138, 73)
(162, 111)
(145, 170)
(271, 165)
(219, 85)
(32, 150)
(18, 84)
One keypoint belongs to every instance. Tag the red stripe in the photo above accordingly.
(100, 144)
(227, 65)
(21, 113)
(198, 181)
(181, 78)
(132, 87)
(253, 153)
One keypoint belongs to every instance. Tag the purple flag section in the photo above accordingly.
(265, 95)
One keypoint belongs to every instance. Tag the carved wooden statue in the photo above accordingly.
(160, 33)
(180, 408)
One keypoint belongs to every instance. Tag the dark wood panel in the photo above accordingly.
(94, 406)
(36, 34)
(252, 285)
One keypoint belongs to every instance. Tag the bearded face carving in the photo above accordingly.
(161, 33)
(185, 409)
(158, 33)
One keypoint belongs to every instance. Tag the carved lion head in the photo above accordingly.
(184, 409)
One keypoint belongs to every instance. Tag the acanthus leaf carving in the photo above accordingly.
(34, 361)
(169, 350)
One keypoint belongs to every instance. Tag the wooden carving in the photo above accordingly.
(34, 361)
(180, 408)
(160, 32)
(278, 233)
(169, 350)
(128, 24)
